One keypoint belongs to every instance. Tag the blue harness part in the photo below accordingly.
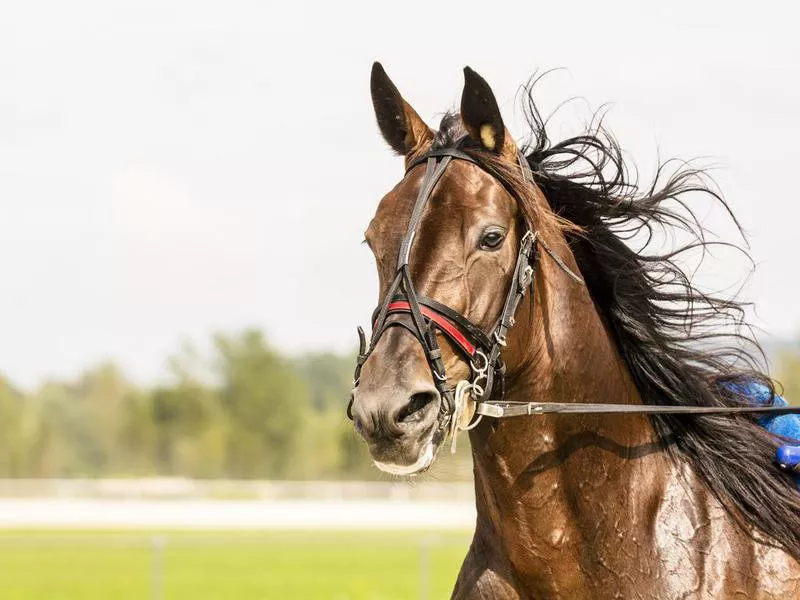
(787, 426)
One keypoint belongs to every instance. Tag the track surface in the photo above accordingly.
(142, 565)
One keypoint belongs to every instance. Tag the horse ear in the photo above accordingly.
(481, 116)
(400, 125)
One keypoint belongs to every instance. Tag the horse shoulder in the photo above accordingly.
(777, 573)
(698, 536)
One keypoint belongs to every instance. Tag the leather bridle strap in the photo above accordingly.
(500, 410)
(421, 324)
(438, 320)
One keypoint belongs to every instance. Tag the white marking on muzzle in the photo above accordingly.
(425, 459)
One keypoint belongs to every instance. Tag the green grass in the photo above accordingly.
(87, 565)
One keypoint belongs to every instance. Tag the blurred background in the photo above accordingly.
(184, 188)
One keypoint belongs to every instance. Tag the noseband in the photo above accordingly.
(427, 316)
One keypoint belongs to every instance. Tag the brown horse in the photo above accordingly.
(569, 506)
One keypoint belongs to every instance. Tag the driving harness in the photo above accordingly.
(423, 317)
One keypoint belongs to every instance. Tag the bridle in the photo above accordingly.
(480, 349)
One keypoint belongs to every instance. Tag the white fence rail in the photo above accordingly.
(180, 488)
(218, 505)
(76, 513)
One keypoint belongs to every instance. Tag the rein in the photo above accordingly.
(423, 317)
(499, 410)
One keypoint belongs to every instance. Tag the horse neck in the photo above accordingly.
(564, 353)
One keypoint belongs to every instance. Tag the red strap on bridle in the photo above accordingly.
(447, 326)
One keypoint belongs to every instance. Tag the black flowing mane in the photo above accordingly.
(681, 345)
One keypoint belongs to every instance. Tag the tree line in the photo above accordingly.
(242, 411)
(245, 411)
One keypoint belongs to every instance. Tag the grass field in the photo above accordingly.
(88, 565)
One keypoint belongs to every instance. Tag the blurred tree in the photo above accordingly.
(267, 403)
(356, 461)
(138, 434)
(23, 436)
(87, 418)
(327, 451)
(329, 378)
(178, 414)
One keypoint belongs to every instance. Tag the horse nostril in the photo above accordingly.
(413, 410)
(359, 426)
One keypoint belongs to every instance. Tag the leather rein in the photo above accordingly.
(482, 350)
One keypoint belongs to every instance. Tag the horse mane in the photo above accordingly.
(683, 346)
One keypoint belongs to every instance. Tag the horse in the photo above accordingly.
(551, 249)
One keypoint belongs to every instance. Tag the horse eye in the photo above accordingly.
(492, 240)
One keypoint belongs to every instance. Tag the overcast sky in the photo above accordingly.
(170, 169)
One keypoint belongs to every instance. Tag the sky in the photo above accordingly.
(173, 169)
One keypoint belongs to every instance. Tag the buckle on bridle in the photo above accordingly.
(525, 278)
(478, 368)
(500, 339)
(527, 239)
